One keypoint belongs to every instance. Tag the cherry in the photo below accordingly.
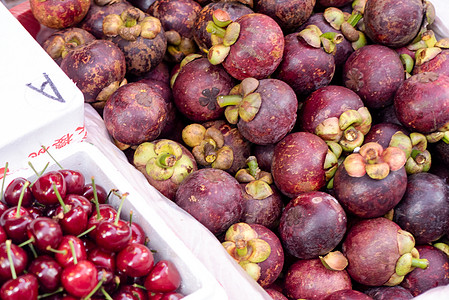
(70, 250)
(88, 192)
(19, 260)
(48, 272)
(109, 281)
(44, 233)
(36, 211)
(3, 236)
(130, 292)
(22, 287)
(137, 233)
(113, 236)
(164, 277)
(73, 199)
(3, 207)
(15, 221)
(43, 188)
(74, 181)
(102, 258)
(135, 260)
(72, 218)
(154, 296)
(79, 278)
(102, 212)
(14, 190)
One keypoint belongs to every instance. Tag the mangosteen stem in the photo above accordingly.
(166, 160)
(354, 19)
(421, 263)
(241, 248)
(253, 166)
(226, 100)
(212, 28)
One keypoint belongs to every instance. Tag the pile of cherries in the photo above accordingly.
(60, 239)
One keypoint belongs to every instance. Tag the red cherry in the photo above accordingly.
(154, 296)
(3, 236)
(19, 259)
(164, 277)
(135, 260)
(23, 287)
(36, 211)
(72, 218)
(13, 191)
(73, 199)
(130, 292)
(44, 233)
(102, 258)
(74, 181)
(107, 212)
(88, 192)
(48, 272)
(15, 225)
(79, 279)
(113, 236)
(64, 255)
(137, 234)
(43, 188)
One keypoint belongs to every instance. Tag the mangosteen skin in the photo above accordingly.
(213, 197)
(309, 279)
(374, 72)
(381, 133)
(424, 209)
(439, 64)
(393, 23)
(436, 274)
(371, 248)
(135, 113)
(298, 162)
(288, 14)
(196, 89)
(275, 294)
(422, 102)
(264, 155)
(347, 294)
(203, 38)
(442, 150)
(304, 67)
(276, 116)
(94, 66)
(396, 292)
(312, 224)
(266, 212)
(259, 49)
(333, 3)
(365, 197)
(272, 267)
(327, 102)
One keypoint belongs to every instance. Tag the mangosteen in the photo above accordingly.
(197, 86)
(264, 155)
(374, 72)
(298, 163)
(140, 37)
(257, 249)
(275, 294)
(200, 34)
(99, 9)
(424, 209)
(380, 253)
(135, 113)
(165, 164)
(333, 3)
(336, 114)
(263, 202)
(217, 144)
(98, 69)
(382, 133)
(422, 104)
(436, 274)
(396, 292)
(441, 148)
(372, 181)
(60, 42)
(251, 46)
(264, 110)
(213, 197)
(59, 14)
(347, 294)
(438, 64)
(312, 224)
(310, 279)
(289, 15)
(177, 18)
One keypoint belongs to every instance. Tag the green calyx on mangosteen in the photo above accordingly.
(257, 181)
(415, 149)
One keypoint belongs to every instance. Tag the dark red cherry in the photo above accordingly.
(74, 181)
(107, 213)
(23, 287)
(45, 233)
(19, 259)
(102, 194)
(64, 255)
(36, 211)
(154, 296)
(135, 260)
(72, 218)
(109, 283)
(130, 292)
(102, 258)
(48, 273)
(15, 221)
(3, 236)
(74, 199)
(79, 279)
(113, 236)
(13, 191)
(43, 188)
(3, 207)
(137, 234)
(164, 277)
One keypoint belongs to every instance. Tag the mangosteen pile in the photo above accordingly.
(311, 137)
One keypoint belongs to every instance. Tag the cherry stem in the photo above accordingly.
(29, 241)
(65, 209)
(22, 193)
(33, 250)
(96, 288)
(36, 172)
(4, 179)
(86, 231)
(63, 252)
(106, 295)
(97, 204)
(11, 263)
(131, 213)
(59, 290)
(72, 248)
(48, 152)
(122, 197)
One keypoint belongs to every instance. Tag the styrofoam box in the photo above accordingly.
(197, 282)
(40, 105)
